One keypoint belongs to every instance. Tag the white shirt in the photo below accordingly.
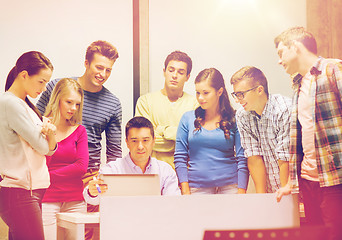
(167, 176)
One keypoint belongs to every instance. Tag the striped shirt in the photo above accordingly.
(101, 112)
(267, 135)
(327, 118)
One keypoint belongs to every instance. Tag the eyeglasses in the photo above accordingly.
(241, 95)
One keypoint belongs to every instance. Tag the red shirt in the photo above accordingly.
(66, 168)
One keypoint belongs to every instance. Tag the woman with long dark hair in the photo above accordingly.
(26, 137)
(209, 158)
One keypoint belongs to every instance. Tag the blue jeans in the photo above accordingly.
(228, 189)
(22, 213)
(323, 205)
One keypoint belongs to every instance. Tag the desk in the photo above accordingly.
(76, 222)
(208, 211)
(188, 217)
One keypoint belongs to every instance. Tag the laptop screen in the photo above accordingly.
(131, 184)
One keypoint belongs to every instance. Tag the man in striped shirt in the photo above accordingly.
(316, 129)
(102, 110)
(263, 123)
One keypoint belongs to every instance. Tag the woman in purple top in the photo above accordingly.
(70, 161)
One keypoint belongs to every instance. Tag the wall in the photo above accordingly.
(225, 34)
(63, 30)
(324, 20)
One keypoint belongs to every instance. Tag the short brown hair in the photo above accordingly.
(299, 34)
(252, 73)
(181, 57)
(139, 122)
(102, 47)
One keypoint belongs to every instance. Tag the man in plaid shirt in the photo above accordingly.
(264, 126)
(316, 129)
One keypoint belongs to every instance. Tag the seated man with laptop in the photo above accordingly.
(140, 140)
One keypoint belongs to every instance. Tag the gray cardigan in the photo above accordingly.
(22, 146)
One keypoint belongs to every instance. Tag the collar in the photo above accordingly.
(266, 112)
(317, 67)
(132, 164)
(315, 70)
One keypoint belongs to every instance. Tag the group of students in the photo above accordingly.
(196, 145)
(46, 161)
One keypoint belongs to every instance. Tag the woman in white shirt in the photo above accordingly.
(26, 137)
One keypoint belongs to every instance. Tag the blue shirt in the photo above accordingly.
(205, 158)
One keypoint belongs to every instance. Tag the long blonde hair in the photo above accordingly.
(62, 88)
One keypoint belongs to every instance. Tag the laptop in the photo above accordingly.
(131, 184)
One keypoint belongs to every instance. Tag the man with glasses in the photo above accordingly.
(263, 123)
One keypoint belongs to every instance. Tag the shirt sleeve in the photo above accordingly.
(283, 136)
(162, 132)
(170, 185)
(334, 71)
(181, 150)
(249, 141)
(167, 132)
(90, 200)
(142, 108)
(19, 120)
(79, 167)
(242, 168)
(113, 135)
(45, 97)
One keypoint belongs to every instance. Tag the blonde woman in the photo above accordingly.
(25, 139)
(70, 161)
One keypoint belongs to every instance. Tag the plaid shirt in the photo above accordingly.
(267, 135)
(327, 118)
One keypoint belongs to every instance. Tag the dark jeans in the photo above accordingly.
(22, 213)
(323, 205)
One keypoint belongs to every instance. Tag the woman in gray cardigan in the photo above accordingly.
(25, 139)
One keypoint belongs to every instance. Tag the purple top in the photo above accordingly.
(66, 168)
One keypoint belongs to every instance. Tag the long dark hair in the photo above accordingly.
(216, 81)
(32, 62)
